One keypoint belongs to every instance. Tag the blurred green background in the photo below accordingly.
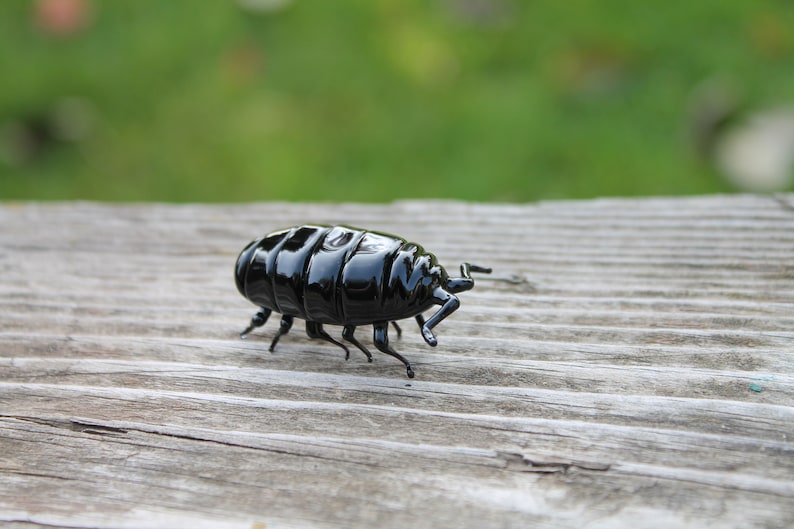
(376, 100)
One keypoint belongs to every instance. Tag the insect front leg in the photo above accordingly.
(381, 339)
(258, 320)
(449, 304)
(286, 325)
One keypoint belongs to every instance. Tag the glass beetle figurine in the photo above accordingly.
(339, 275)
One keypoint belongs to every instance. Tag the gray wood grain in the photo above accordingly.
(630, 363)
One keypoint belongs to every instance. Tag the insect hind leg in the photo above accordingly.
(286, 325)
(258, 320)
(347, 334)
(315, 330)
(381, 339)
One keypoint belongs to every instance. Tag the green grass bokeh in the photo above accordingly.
(376, 100)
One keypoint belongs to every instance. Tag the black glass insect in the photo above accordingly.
(339, 275)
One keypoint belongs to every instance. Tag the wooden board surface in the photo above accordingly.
(630, 363)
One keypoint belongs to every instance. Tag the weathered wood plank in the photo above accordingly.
(630, 363)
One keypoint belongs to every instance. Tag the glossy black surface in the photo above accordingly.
(339, 275)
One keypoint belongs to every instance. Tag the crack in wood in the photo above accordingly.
(71, 424)
(518, 462)
(783, 202)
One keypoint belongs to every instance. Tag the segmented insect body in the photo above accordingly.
(339, 275)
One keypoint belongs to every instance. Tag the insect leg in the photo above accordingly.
(347, 334)
(381, 338)
(315, 330)
(286, 325)
(449, 304)
(258, 320)
(398, 329)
